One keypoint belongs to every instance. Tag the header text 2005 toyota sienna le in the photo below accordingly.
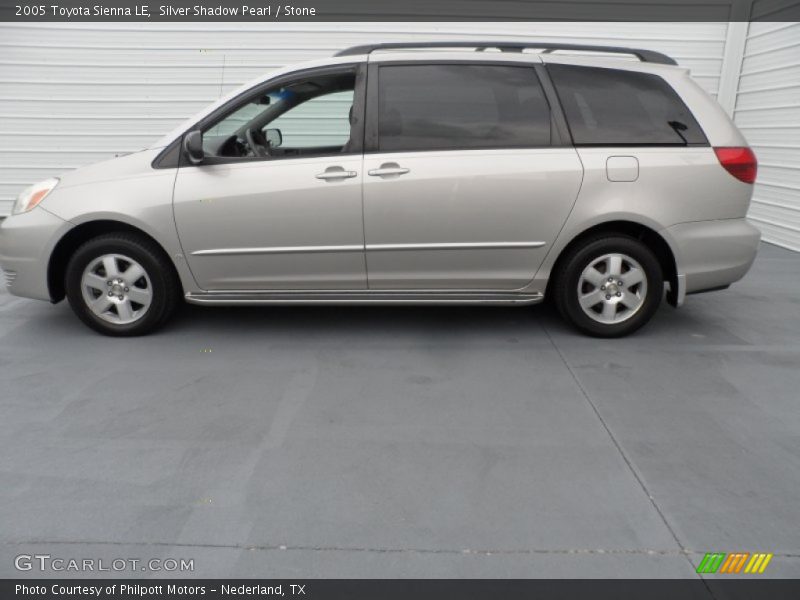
(440, 173)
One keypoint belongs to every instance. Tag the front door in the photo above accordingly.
(463, 187)
(276, 203)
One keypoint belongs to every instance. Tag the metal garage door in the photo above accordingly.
(72, 94)
(768, 113)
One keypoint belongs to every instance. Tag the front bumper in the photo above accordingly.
(712, 254)
(26, 243)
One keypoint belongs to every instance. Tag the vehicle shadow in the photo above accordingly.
(360, 319)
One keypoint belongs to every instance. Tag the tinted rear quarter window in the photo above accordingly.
(453, 107)
(607, 107)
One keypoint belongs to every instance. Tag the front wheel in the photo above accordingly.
(609, 286)
(121, 284)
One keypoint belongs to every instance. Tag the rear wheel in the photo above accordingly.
(609, 286)
(121, 284)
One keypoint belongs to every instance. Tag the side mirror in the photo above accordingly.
(193, 146)
(274, 137)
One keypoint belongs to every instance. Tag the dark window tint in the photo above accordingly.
(431, 107)
(612, 107)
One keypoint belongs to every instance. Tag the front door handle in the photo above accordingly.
(335, 173)
(388, 169)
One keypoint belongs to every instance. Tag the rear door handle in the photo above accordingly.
(335, 173)
(388, 169)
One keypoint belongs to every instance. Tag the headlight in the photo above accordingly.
(31, 196)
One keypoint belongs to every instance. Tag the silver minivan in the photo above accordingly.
(483, 172)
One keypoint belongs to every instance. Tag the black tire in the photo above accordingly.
(163, 282)
(566, 291)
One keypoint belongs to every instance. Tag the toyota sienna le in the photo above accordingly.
(485, 172)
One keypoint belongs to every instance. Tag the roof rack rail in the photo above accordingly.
(648, 56)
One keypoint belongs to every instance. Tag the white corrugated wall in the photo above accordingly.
(72, 94)
(767, 111)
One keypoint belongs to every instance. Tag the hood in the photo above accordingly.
(135, 164)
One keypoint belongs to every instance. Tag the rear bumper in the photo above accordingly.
(26, 243)
(712, 254)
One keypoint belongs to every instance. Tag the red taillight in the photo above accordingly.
(739, 162)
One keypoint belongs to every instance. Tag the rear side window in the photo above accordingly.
(454, 107)
(608, 107)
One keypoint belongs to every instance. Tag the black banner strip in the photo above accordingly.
(187, 11)
(403, 589)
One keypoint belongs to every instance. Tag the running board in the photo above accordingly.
(360, 297)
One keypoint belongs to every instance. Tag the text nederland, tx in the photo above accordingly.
(167, 10)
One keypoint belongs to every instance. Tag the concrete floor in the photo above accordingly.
(408, 442)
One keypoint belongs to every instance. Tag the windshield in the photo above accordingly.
(252, 111)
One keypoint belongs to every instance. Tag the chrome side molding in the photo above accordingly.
(369, 247)
(456, 246)
(277, 250)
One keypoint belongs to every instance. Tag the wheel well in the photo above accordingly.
(647, 236)
(66, 246)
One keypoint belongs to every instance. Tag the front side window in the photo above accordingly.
(321, 122)
(308, 117)
(607, 107)
(456, 107)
